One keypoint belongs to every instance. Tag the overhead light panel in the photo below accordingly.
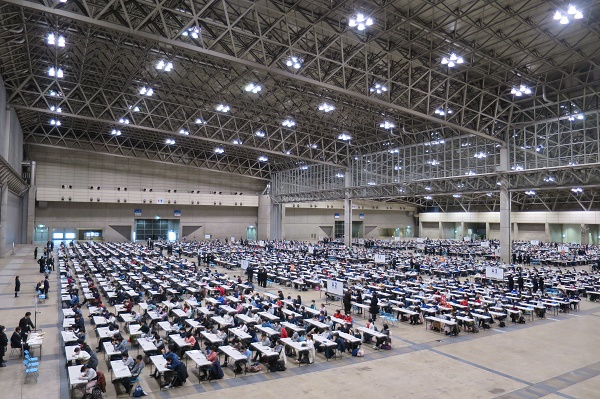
(219, 150)
(134, 108)
(56, 40)
(124, 121)
(387, 125)
(470, 173)
(55, 122)
(222, 108)
(260, 133)
(480, 155)
(147, 91)
(517, 167)
(456, 195)
(200, 121)
(452, 60)
(55, 108)
(360, 21)
(169, 141)
(303, 167)
(294, 62)
(378, 88)
(428, 197)
(530, 192)
(288, 123)
(549, 179)
(443, 112)
(519, 91)
(237, 141)
(253, 88)
(563, 17)
(344, 137)
(55, 72)
(115, 132)
(193, 32)
(53, 93)
(326, 107)
(339, 175)
(262, 158)
(433, 162)
(184, 132)
(166, 66)
(577, 190)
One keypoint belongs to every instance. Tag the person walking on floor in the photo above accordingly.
(35, 253)
(17, 286)
(46, 286)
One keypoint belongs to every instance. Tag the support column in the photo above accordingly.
(515, 232)
(505, 227)
(3, 218)
(276, 228)
(547, 232)
(462, 231)
(487, 231)
(348, 209)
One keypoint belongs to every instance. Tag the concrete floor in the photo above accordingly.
(552, 358)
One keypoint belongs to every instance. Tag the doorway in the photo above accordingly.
(40, 234)
(251, 233)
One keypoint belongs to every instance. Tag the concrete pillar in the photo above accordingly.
(515, 235)
(487, 230)
(505, 204)
(348, 209)
(440, 231)
(263, 221)
(3, 218)
(463, 233)
(5, 144)
(276, 230)
(547, 232)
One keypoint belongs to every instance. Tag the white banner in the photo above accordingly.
(261, 243)
(379, 258)
(485, 244)
(496, 273)
(335, 287)
(466, 238)
(535, 242)
(245, 264)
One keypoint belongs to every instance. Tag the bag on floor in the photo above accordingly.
(138, 392)
(502, 324)
(97, 392)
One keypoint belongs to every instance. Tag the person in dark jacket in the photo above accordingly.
(374, 307)
(347, 301)
(17, 286)
(511, 282)
(26, 325)
(520, 282)
(46, 286)
(35, 253)
(16, 340)
(3, 344)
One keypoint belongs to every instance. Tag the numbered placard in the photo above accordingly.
(494, 273)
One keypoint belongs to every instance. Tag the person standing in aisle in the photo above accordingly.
(17, 286)
(46, 286)
(35, 253)
(3, 344)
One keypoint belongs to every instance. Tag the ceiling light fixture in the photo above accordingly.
(387, 125)
(147, 91)
(124, 121)
(577, 190)
(470, 173)
(222, 108)
(219, 150)
(53, 93)
(194, 32)
(294, 62)
(55, 40)
(253, 88)
(442, 112)
(303, 167)
(344, 137)
(289, 123)
(325, 107)
(339, 175)
(428, 197)
(517, 167)
(166, 66)
(200, 121)
(519, 91)
(378, 88)
(55, 72)
(260, 133)
(55, 108)
(480, 155)
(549, 179)
(360, 21)
(184, 132)
(453, 60)
(134, 108)
(262, 158)
(456, 195)
(433, 162)
(237, 141)
(55, 122)
(576, 116)
(563, 17)
(169, 141)
(530, 192)
(115, 132)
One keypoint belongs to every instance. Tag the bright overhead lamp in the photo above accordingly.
(517, 167)
(288, 123)
(134, 108)
(219, 150)
(397, 167)
(428, 197)
(577, 190)
(456, 195)
(237, 141)
(115, 132)
(480, 155)
(295, 62)
(62, 1)
(260, 133)
(55, 40)
(303, 167)
(55, 122)
(470, 173)
(344, 137)
(169, 141)
(575, 116)
(549, 179)
(184, 132)
(563, 17)
(519, 91)
(166, 66)
(262, 158)
(200, 121)
(194, 32)
(253, 88)
(313, 146)
(55, 72)
(530, 192)
(326, 107)
(428, 188)
(433, 162)
(339, 175)
(387, 125)
(443, 112)
(360, 21)
(53, 93)
(453, 60)
(288, 152)
(146, 91)
(124, 121)
(378, 88)
(56, 109)
(222, 108)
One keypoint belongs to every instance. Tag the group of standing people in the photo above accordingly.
(19, 337)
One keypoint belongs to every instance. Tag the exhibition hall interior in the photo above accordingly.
(261, 198)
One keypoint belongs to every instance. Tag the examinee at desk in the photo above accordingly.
(68, 337)
(74, 381)
(246, 319)
(221, 321)
(442, 322)
(243, 336)
(268, 316)
(147, 345)
(297, 346)
(319, 326)
(212, 338)
(118, 370)
(160, 363)
(324, 342)
(233, 354)
(199, 359)
(264, 350)
(267, 330)
(292, 327)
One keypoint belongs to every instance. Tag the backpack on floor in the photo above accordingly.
(502, 324)
(280, 365)
(97, 392)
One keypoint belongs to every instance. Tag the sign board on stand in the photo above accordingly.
(311, 250)
(244, 264)
(379, 258)
(335, 287)
(494, 273)
(485, 244)
(535, 242)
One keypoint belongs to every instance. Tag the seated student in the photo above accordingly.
(190, 339)
(136, 371)
(90, 376)
(178, 371)
(264, 340)
(16, 340)
(79, 356)
(166, 352)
